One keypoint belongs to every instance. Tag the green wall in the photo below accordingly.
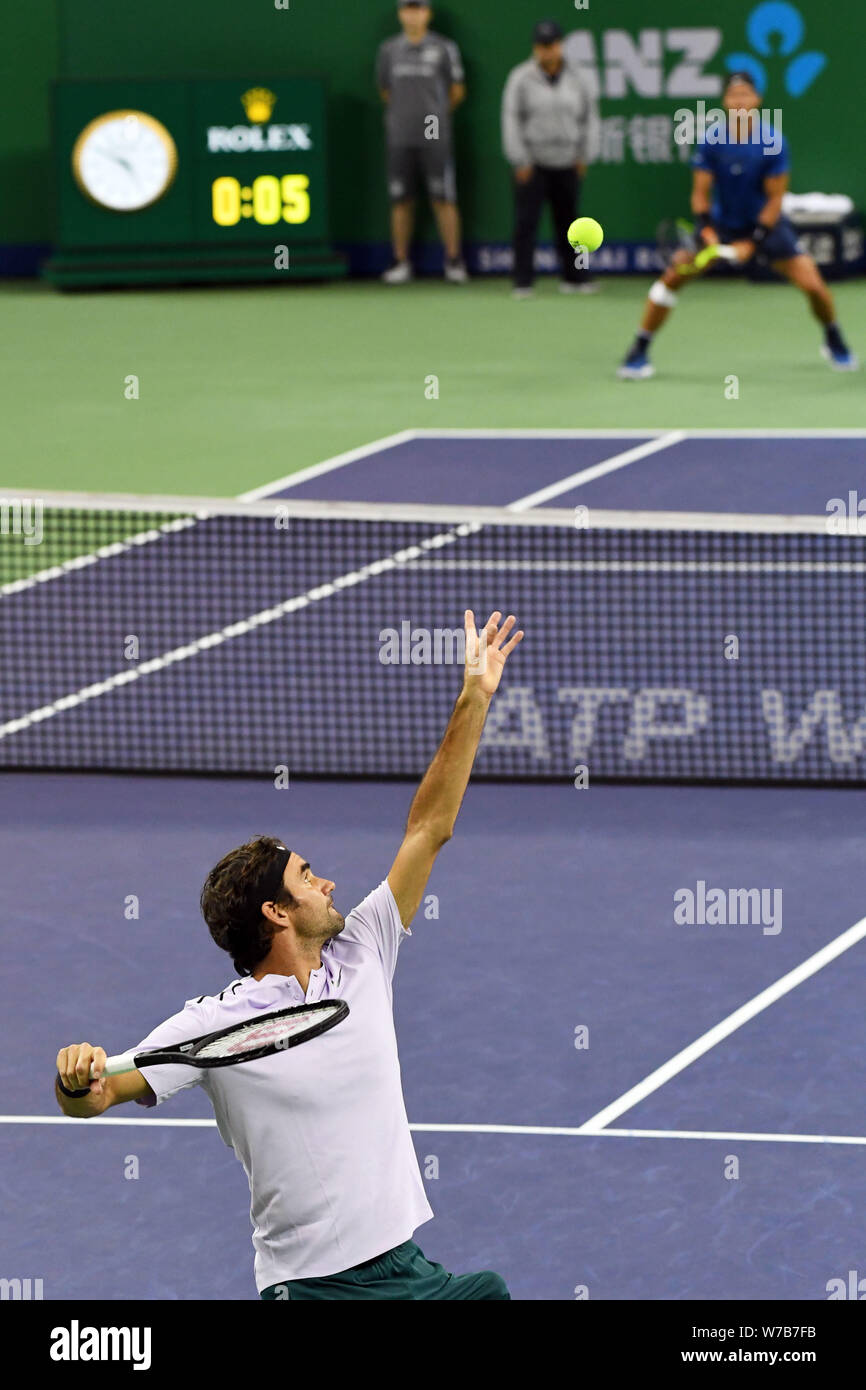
(28, 61)
(104, 38)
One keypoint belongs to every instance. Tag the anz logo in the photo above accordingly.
(777, 28)
(673, 62)
(618, 63)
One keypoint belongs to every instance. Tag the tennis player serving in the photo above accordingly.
(738, 184)
(321, 1129)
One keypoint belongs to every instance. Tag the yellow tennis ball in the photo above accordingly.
(585, 232)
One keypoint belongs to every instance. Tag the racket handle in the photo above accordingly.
(124, 1061)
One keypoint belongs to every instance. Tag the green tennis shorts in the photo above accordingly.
(403, 1273)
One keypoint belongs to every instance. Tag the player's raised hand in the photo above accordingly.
(488, 651)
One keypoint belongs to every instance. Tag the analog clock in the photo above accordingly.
(124, 160)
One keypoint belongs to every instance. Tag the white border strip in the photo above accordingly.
(761, 523)
(512, 566)
(530, 1130)
(728, 1135)
(843, 432)
(727, 1026)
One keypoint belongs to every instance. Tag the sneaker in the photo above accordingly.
(399, 274)
(523, 292)
(840, 357)
(578, 287)
(456, 273)
(636, 366)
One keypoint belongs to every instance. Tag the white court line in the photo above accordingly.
(842, 432)
(734, 1134)
(655, 438)
(104, 552)
(651, 566)
(103, 1120)
(527, 432)
(110, 683)
(727, 1026)
(238, 629)
(527, 503)
(579, 1132)
(115, 548)
(316, 470)
(597, 470)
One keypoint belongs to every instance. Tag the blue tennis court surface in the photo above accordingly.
(606, 1100)
(555, 912)
(658, 471)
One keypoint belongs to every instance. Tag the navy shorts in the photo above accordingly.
(431, 164)
(403, 1273)
(780, 245)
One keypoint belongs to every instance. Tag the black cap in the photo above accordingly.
(547, 31)
(406, 4)
(740, 75)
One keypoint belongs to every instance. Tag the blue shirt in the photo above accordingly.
(739, 170)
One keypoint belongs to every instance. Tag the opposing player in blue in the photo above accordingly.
(740, 177)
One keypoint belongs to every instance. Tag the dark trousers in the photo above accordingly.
(560, 188)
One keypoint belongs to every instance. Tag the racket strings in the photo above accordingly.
(252, 1034)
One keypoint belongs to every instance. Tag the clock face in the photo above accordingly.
(124, 160)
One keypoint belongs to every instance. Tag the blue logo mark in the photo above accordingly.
(776, 27)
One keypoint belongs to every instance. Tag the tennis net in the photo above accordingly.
(194, 635)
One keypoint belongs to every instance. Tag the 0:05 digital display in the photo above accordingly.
(267, 200)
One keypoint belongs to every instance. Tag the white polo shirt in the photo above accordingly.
(321, 1129)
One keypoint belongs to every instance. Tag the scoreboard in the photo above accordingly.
(166, 182)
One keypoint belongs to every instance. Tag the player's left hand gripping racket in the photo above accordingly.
(240, 1042)
(716, 251)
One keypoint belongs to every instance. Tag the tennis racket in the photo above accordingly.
(240, 1042)
(716, 251)
(675, 234)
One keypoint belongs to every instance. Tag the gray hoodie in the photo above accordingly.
(550, 123)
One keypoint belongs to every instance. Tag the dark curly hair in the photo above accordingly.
(231, 906)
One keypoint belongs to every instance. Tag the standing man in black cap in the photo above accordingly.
(550, 132)
(420, 78)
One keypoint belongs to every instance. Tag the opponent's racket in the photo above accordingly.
(240, 1042)
(716, 251)
(675, 234)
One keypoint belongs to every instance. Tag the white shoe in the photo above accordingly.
(840, 362)
(579, 287)
(641, 373)
(456, 273)
(399, 274)
(523, 292)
